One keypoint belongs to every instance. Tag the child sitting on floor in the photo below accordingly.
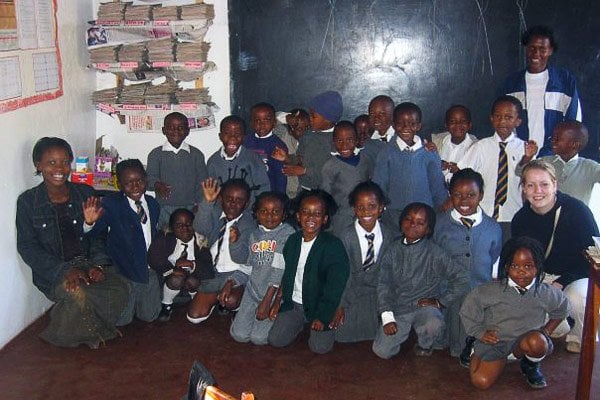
(409, 293)
(252, 323)
(316, 270)
(182, 257)
(514, 316)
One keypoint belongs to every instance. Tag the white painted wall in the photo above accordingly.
(138, 145)
(71, 117)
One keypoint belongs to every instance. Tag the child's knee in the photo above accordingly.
(481, 381)
(240, 337)
(534, 344)
(383, 351)
(192, 284)
(175, 282)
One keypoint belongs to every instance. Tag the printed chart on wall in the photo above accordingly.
(30, 64)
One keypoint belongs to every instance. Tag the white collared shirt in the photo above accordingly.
(513, 284)
(483, 158)
(170, 148)
(405, 147)
(387, 135)
(178, 250)
(476, 218)
(364, 243)
(304, 250)
(145, 227)
(263, 137)
(225, 263)
(233, 157)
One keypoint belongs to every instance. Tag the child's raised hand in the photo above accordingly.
(234, 234)
(211, 189)
(92, 210)
(162, 189)
(279, 154)
(317, 325)
(430, 146)
(96, 274)
(490, 336)
(338, 318)
(294, 170)
(390, 328)
(531, 149)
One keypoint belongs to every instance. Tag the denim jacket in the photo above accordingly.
(38, 235)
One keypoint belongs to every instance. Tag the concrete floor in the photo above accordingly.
(152, 361)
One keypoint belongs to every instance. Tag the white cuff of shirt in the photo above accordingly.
(387, 317)
(87, 228)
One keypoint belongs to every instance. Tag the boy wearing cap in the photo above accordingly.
(315, 147)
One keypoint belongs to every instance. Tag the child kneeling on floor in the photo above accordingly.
(513, 317)
(409, 293)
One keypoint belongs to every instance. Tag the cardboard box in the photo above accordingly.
(83, 177)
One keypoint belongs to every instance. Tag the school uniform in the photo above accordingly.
(409, 272)
(229, 258)
(360, 295)
(244, 164)
(476, 249)
(451, 152)
(263, 147)
(407, 174)
(184, 169)
(312, 285)
(483, 158)
(266, 260)
(500, 306)
(314, 150)
(127, 243)
(338, 178)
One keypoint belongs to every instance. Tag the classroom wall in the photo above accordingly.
(138, 145)
(71, 117)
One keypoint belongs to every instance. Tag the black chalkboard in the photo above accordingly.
(433, 53)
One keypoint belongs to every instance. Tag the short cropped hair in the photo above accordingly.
(233, 120)
(539, 30)
(408, 107)
(130, 163)
(508, 99)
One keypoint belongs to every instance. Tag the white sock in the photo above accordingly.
(169, 294)
(192, 294)
(534, 359)
(200, 319)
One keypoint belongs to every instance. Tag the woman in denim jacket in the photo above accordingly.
(71, 269)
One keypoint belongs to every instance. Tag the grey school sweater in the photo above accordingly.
(494, 305)
(314, 149)
(183, 171)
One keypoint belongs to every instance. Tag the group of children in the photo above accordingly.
(388, 232)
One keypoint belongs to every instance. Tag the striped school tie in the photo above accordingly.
(468, 222)
(222, 230)
(502, 182)
(141, 212)
(184, 253)
(370, 257)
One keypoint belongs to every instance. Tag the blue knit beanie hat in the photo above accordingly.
(329, 105)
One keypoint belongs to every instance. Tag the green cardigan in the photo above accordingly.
(325, 275)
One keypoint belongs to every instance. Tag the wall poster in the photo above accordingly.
(30, 64)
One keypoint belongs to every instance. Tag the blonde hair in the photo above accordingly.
(539, 165)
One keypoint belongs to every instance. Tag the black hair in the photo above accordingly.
(408, 107)
(178, 116)
(45, 143)
(238, 183)
(268, 106)
(539, 30)
(233, 120)
(344, 125)
(361, 117)
(467, 174)
(457, 107)
(278, 196)
(523, 242)
(367, 187)
(176, 213)
(508, 99)
(579, 131)
(429, 211)
(324, 197)
(384, 98)
(130, 163)
(300, 112)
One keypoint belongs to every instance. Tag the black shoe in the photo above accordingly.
(165, 313)
(531, 369)
(465, 355)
